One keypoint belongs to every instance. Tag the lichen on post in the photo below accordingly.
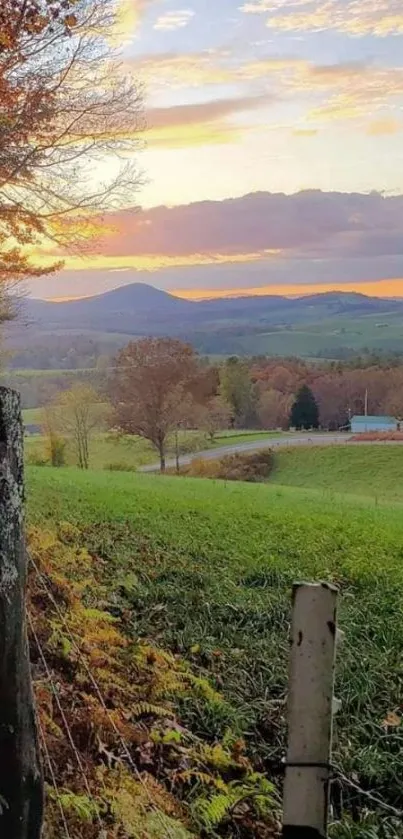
(21, 797)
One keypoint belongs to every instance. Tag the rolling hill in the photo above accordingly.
(328, 325)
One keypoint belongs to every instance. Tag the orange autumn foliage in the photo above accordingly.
(61, 97)
(124, 765)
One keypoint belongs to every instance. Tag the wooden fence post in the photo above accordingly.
(20, 775)
(310, 710)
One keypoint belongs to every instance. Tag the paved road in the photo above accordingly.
(255, 445)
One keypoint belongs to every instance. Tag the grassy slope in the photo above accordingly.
(371, 470)
(211, 569)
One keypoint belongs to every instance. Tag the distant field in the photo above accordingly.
(205, 569)
(362, 469)
(32, 416)
(382, 332)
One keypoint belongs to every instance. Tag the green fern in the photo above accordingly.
(81, 806)
(211, 812)
(202, 778)
(146, 709)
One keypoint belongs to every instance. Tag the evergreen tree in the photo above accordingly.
(304, 412)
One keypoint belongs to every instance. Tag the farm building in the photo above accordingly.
(361, 424)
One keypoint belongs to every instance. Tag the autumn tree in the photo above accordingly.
(236, 387)
(214, 416)
(304, 411)
(273, 409)
(186, 417)
(55, 442)
(150, 386)
(78, 413)
(66, 109)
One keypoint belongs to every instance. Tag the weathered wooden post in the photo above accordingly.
(20, 775)
(310, 711)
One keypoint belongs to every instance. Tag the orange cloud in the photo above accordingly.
(352, 17)
(305, 132)
(384, 126)
(200, 124)
(347, 90)
(352, 90)
(186, 136)
(152, 262)
(214, 67)
(170, 70)
(262, 237)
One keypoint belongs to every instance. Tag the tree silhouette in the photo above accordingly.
(304, 411)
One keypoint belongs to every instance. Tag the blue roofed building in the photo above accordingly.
(360, 424)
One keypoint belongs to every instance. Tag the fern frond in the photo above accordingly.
(202, 778)
(145, 709)
(211, 813)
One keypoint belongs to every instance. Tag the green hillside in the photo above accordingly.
(204, 570)
(371, 470)
(329, 337)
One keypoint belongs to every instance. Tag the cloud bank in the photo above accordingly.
(310, 224)
(263, 239)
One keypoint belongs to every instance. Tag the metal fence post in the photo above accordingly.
(310, 709)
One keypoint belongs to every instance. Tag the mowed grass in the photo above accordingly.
(130, 452)
(360, 469)
(206, 569)
(106, 451)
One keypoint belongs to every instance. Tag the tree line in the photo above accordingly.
(160, 387)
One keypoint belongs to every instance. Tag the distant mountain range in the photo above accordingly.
(140, 308)
(243, 325)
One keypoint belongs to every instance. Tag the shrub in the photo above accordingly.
(201, 468)
(56, 447)
(246, 467)
(252, 467)
(37, 458)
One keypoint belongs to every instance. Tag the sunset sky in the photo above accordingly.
(274, 150)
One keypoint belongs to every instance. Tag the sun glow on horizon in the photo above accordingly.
(374, 288)
(380, 288)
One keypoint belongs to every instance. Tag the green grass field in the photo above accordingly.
(375, 471)
(128, 453)
(381, 332)
(32, 416)
(106, 451)
(206, 569)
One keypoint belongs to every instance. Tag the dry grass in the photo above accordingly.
(252, 467)
(378, 437)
